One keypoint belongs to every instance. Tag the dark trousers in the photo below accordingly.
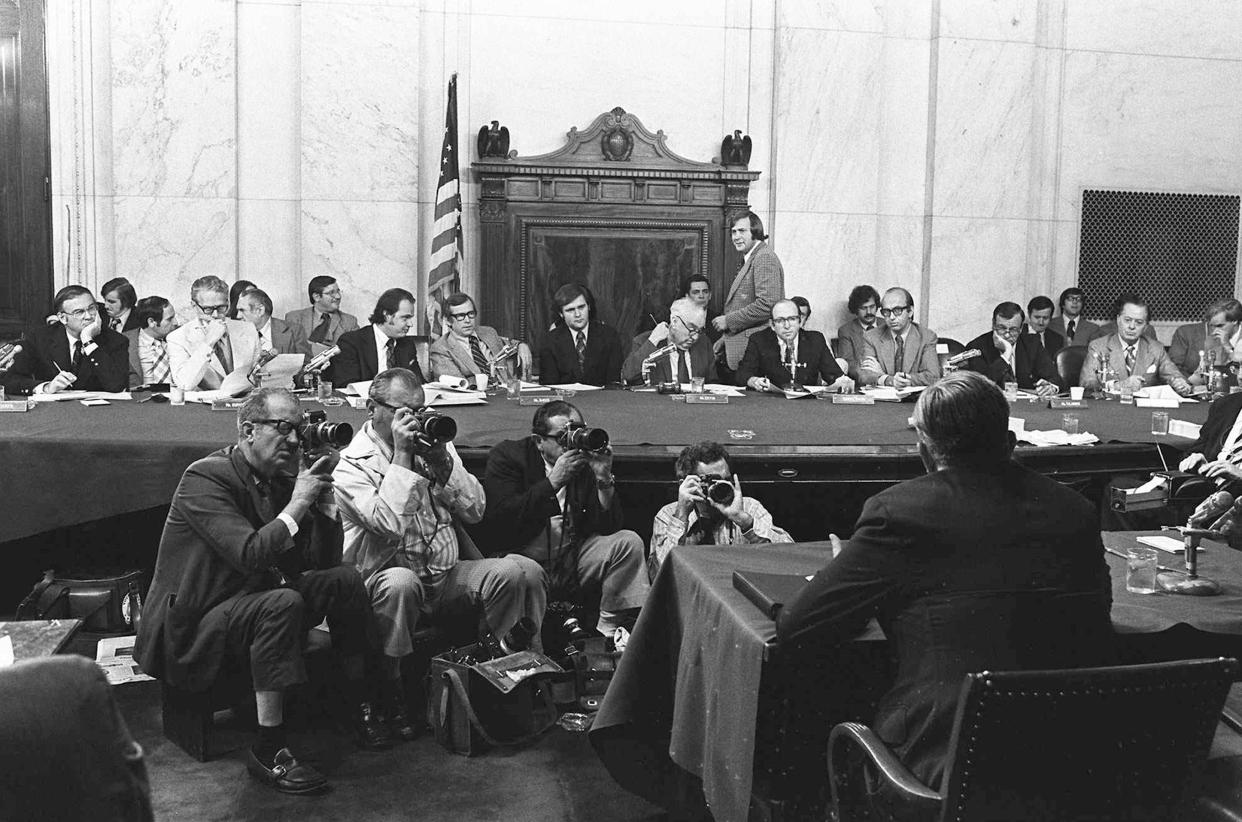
(269, 627)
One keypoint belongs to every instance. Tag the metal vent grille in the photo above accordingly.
(1177, 251)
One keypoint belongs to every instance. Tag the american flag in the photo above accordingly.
(446, 242)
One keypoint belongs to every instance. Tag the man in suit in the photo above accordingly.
(923, 551)
(323, 321)
(1038, 315)
(759, 283)
(1133, 357)
(397, 492)
(1217, 336)
(249, 562)
(784, 354)
(469, 349)
(255, 307)
(691, 355)
(381, 345)
(558, 505)
(148, 349)
(119, 299)
(209, 349)
(863, 303)
(1008, 355)
(76, 353)
(1070, 324)
(1218, 451)
(899, 354)
(580, 348)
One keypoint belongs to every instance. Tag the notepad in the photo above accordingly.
(1166, 544)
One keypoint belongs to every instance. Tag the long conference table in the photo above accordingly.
(62, 464)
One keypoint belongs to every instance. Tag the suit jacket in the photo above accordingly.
(194, 364)
(815, 364)
(558, 357)
(1084, 331)
(131, 321)
(451, 357)
(217, 546)
(850, 345)
(1053, 342)
(358, 360)
(921, 363)
(702, 361)
(1222, 414)
(1150, 362)
(288, 338)
(1188, 341)
(1031, 362)
(106, 368)
(924, 554)
(305, 319)
(759, 283)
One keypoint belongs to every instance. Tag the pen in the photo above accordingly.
(58, 368)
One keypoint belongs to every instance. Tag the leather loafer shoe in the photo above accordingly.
(286, 775)
(370, 730)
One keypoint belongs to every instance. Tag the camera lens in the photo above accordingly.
(437, 427)
(720, 492)
(586, 439)
(336, 434)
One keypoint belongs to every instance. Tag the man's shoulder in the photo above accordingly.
(604, 329)
(355, 337)
(216, 464)
(112, 340)
(982, 342)
(184, 333)
(132, 336)
(347, 320)
(519, 450)
(764, 337)
(280, 326)
(441, 344)
(925, 334)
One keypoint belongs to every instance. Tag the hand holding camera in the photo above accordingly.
(313, 480)
(566, 466)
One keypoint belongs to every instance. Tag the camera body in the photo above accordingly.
(315, 432)
(717, 490)
(579, 437)
(432, 427)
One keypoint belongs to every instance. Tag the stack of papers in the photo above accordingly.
(1159, 396)
(63, 396)
(886, 393)
(1054, 437)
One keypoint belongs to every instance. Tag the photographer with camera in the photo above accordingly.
(552, 498)
(404, 495)
(249, 562)
(710, 508)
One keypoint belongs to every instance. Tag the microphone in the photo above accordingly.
(1210, 509)
(505, 353)
(662, 351)
(968, 354)
(263, 359)
(320, 361)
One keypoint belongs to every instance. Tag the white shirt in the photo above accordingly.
(785, 355)
(1230, 441)
(381, 348)
(148, 353)
(574, 332)
(672, 364)
(265, 336)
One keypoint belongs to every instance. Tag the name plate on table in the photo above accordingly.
(16, 405)
(1066, 402)
(706, 399)
(539, 400)
(850, 399)
(1156, 402)
(227, 404)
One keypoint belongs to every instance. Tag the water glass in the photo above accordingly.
(480, 382)
(1011, 391)
(1069, 423)
(324, 391)
(1076, 393)
(1159, 422)
(1127, 392)
(513, 387)
(696, 385)
(176, 395)
(1141, 570)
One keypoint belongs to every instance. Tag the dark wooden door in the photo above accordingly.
(25, 191)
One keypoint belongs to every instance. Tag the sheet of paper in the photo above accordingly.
(6, 651)
(206, 397)
(886, 393)
(1056, 437)
(279, 372)
(1161, 392)
(1181, 428)
(64, 396)
(440, 398)
(575, 386)
(115, 655)
(360, 389)
(451, 383)
(1166, 544)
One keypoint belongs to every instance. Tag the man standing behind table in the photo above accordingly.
(1038, 315)
(148, 349)
(899, 354)
(978, 534)
(119, 299)
(470, 349)
(381, 345)
(784, 354)
(691, 356)
(1219, 336)
(697, 519)
(1008, 355)
(1070, 324)
(580, 348)
(324, 322)
(208, 349)
(75, 353)
(759, 283)
(863, 303)
(1134, 358)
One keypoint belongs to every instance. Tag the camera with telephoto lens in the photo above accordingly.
(579, 437)
(316, 432)
(717, 490)
(432, 427)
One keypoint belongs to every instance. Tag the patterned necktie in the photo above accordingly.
(581, 350)
(320, 334)
(224, 354)
(476, 353)
(159, 370)
(789, 363)
(1131, 355)
(390, 353)
(899, 358)
(1069, 330)
(77, 354)
(116, 324)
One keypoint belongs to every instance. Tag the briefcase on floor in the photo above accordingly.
(110, 605)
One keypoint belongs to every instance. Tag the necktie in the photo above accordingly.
(77, 354)
(1131, 354)
(159, 370)
(320, 334)
(390, 353)
(581, 345)
(1069, 330)
(476, 353)
(683, 372)
(116, 324)
(899, 358)
(224, 354)
(789, 363)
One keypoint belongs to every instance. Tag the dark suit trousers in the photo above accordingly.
(269, 627)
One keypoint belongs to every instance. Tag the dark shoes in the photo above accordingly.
(370, 729)
(286, 774)
(397, 716)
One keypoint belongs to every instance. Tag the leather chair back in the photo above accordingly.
(1069, 363)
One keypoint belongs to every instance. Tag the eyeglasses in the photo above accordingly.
(897, 309)
(83, 313)
(336, 292)
(692, 330)
(212, 310)
(1006, 331)
(468, 315)
(786, 320)
(390, 407)
(283, 427)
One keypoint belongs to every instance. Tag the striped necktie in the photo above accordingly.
(159, 369)
(224, 354)
(899, 358)
(581, 346)
(476, 353)
(1131, 356)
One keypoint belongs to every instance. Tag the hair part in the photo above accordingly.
(1040, 303)
(458, 298)
(1007, 311)
(689, 311)
(150, 308)
(389, 303)
(124, 291)
(68, 293)
(859, 295)
(318, 285)
(691, 279)
(756, 225)
(1074, 291)
(258, 295)
(1129, 298)
(963, 418)
(705, 452)
(382, 385)
(210, 283)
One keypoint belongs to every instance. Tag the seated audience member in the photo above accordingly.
(235, 291)
(784, 354)
(697, 519)
(1134, 358)
(324, 322)
(901, 353)
(381, 345)
(1218, 336)
(863, 304)
(804, 309)
(923, 550)
(559, 506)
(469, 349)
(255, 307)
(1008, 355)
(76, 353)
(580, 348)
(209, 348)
(249, 562)
(403, 501)
(691, 357)
(148, 349)
(1038, 315)
(1070, 324)
(119, 299)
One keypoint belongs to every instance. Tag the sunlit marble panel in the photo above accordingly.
(693, 13)
(1014, 20)
(269, 250)
(900, 18)
(268, 101)
(974, 264)
(1205, 28)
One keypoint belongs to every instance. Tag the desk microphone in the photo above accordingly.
(320, 361)
(1210, 509)
(662, 351)
(263, 359)
(968, 354)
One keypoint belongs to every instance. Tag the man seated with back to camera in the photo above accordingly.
(1008, 355)
(710, 508)
(552, 497)
(687, 350)
(785, 355)
(404, 496)
(932, 556)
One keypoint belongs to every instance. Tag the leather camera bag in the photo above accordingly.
(111, 605)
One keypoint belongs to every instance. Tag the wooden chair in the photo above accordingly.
(1116, 743)
(1069, 364)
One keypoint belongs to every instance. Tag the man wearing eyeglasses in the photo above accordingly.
(902, 353)
(323, 321)
(689, 351)
(1008, 355)
(469, 349)
(210, 348)
(75, 353)
(785, 354)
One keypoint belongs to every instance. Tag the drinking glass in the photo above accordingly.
(1141, 570)
(1159, 422)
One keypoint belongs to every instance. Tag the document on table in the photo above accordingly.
(440, 397)
(279, 372)
(886, 393)
(574, 386)
(63, 396)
